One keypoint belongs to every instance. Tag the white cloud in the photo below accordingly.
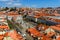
(7, 0)
(4, 0)
(9, 3)
(12, 3)
(33, 5)
(14, 0)
(17, 4)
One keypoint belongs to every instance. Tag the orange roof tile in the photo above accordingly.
(46, 38)
(34, 32)
(1, 37)
(58, 25)
(6, 34)
(58, 38)
(55, 28)
(56, 14)
(1, 13)
(15, 35)
(4, 27)
(51, 34)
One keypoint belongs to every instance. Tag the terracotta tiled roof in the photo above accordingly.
(55, 28)
(1, 37)
(37, 15)
(34, 32)
(4, 27)
(15, 35)
(46, 38)
(58, 38)
(1, 13)
(56, 14)
(51, 34)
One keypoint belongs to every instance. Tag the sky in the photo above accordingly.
(30, 3)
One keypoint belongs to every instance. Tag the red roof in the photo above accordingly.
(15, 35)
(4, 27)
(1, 37)
(46, 38)
(56, 14)
(50, 34)
(58, 38)
(55, 28)
(34, 32)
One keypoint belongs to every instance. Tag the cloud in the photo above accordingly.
(4, 0)
(7, 0)
(17, 4)
(15, 0)
(33, 5)
(12, 3)
(8, 3)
